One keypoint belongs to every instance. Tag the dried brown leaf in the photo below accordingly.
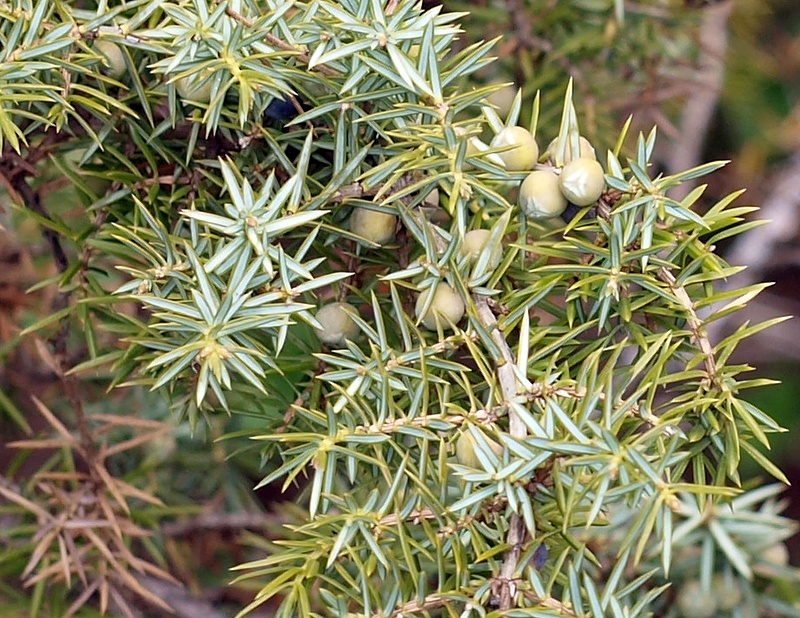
(100, 545)
(130, 529)
(43, 443)
(122, 604)
(25, 504)
(83, 522)
(81, 600)
(64, 560)
(143, 566)
(110, 485)
(131, 491)
(47, 357)
(131, 421)
(122, 552)
(55, 525)
(70, 477)
(134, 442)
(103, 588)
(39, 552)
(111, 516)
(54, 422)
(50, 572)
(77, 558)
(134, 586)
(121, 572)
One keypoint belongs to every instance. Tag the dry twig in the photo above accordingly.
(508, 387)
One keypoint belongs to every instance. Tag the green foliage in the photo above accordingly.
(608, 431)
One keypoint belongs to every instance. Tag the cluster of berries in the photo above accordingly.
(544, 193)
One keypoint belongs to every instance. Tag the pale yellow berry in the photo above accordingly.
(466, 446)
(477, 149)
(694, 602)
(586, 150)
(446, 308)
(582, 181)
(197, 87)
(113, 57)
(432, 199)
(525, 151)
(474, 149)
(337, 325)
(96, 184)
(776, 555)
(373, 226)
(540, 196)
(475, 242)
(503, 97)
(475, 146)
(727, 592)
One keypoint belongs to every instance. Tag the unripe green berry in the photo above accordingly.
(474, 243)
(465, 450)
(114, 57)
(523, 155)
(98, 185)
(503, 98)
(582, 181)
(776, 555)
(475, 146)
(337, 325)
(373, 226)
(447, 307)
(197, 87)
(540, 196)
(726, 591)
(431, 209)
(432, 199)
(694, 602)
(586, 150)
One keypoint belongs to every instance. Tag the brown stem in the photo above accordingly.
(357, 190)
(550, 603)
(416, 607)
(391, 520)
(695, 323)
(504, 365)
(508, 388)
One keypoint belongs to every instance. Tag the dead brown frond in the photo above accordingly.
(84, 529)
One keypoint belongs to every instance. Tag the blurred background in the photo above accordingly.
(756, 125)
(720, 79)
